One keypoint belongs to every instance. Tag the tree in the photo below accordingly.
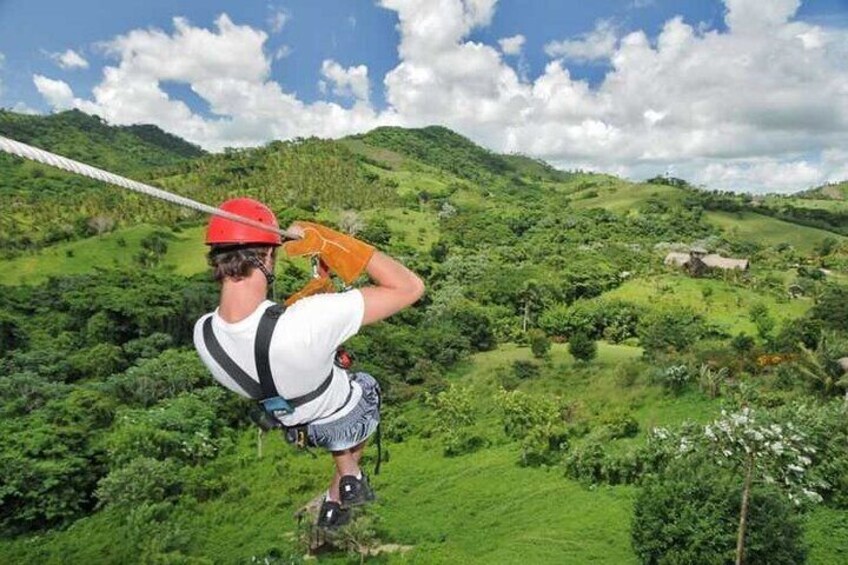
(455, 417)
(711, 379)
(377, 232)
(669, 330)
(832, 308)
(821, 368)
(762, 319)
(779, 454)
(582, 347)
(530, 296)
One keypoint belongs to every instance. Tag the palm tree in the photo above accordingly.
(822, 366)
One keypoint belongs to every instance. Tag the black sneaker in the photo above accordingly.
(332, 515)
(355, 492)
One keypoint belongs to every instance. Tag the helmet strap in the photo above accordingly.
(269, 276)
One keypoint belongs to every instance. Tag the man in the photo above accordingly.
(285, 358)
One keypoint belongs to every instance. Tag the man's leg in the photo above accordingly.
(347, 463)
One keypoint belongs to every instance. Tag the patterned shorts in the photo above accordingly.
(357, 425)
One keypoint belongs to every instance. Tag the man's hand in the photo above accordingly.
(346, 256)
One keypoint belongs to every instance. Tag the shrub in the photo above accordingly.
(619, 425)
(525, 369)
(742, 343)
(582, 347)
(675, 378)
(537, 421)
(690, 514)
(627, 373)
(455, 418)
(796, 333)
(540, 344)
(143, 480)
(670, 330)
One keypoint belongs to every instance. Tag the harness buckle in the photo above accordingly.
(276, 406)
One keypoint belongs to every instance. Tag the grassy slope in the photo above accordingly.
(835, 191)
(476, 508)
(185, 255)
(769, 231)
(479, 508)
(822, 203)
(728, 305)
(621, 196)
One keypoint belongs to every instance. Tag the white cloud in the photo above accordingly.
(512, 45)
(599, 44)
(762, 105)
(282, 52)
(753, 16)
(227, 68)
(23, 108)
(352, 81)
(277, 20)
(70, 59)
(779, 176)
(57, 93)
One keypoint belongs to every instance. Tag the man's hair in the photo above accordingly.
(236, 262)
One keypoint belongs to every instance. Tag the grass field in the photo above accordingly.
(769, 231)
(119, 248)
(621, 197)
(820, 204)
(727, 305)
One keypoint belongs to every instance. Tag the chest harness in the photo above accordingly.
(272, 405)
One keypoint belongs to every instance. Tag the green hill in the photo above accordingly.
(441, 148)
(830, 191)
(120, 149)
(47, 206)
(505, 439)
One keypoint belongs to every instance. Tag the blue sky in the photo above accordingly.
(301, 37)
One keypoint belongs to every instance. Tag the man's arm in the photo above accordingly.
(396, 287)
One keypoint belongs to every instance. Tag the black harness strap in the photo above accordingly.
(243, 380)
(261, 346)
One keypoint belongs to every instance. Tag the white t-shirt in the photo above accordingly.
(302, 352)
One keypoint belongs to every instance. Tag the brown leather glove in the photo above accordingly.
(319, 285)
(345, 255)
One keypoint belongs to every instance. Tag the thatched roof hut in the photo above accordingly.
(677, 259)
(726, 263)
(712, 260)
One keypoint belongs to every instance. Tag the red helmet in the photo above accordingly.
(222, 231)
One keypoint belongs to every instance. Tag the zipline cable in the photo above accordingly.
(47, 158)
